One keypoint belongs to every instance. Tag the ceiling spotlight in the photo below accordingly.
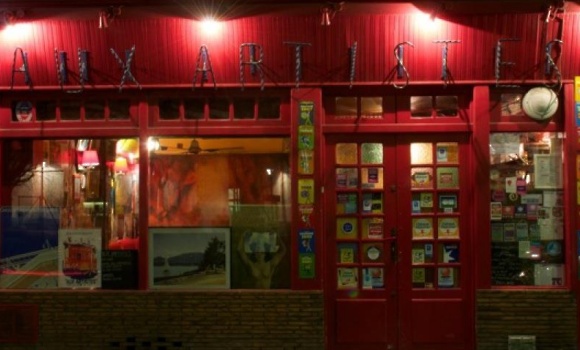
(328, 12)
(106, 16)
(8, 17)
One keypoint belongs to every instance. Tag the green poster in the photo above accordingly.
(306, 265)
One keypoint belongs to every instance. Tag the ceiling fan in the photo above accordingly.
(194, 148)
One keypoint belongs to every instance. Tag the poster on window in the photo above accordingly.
(191, 257)
(548, 171)
(79, 258)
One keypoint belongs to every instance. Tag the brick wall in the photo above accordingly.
(549, 315)
(103, 320)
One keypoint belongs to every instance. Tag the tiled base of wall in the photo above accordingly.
(549, 315)
(224, 320)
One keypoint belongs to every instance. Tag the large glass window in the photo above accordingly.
(219, 211)
(527, 209)
(67, 205)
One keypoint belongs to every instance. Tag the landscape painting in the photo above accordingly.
(195, 258)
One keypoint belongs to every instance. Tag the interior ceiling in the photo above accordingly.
(181, 146)
(240, 8)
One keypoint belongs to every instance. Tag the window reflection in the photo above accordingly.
(60, 197)
(242, 183)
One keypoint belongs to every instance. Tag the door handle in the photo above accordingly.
(394, 246)
(394, 252)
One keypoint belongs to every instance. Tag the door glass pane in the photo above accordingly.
(448, 227)
(347, 253)
(422, 253)
(373, 278)
(447, 177)
(372, 228)
(449, 252)
(447, 152)
(346, 228)
(447, 277)
(372, 153)
(346, 203)
(372, 252)
(372, 203)
(422, 202)
(346, 153)
(421, 153)
(446, 106)
(345, 107)
(422, 277)
(421, 178)
(372, 178)
(371, 107)
(422, 228)
(347, 278)
(347, 178)
(421, 106)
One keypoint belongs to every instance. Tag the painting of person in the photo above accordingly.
(261, 252)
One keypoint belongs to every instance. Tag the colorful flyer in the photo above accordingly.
(418, 256)
(445, 277)
(496, 232)
(347, 253)
(346, 228)
(306, 139)
(79, 258)
(509, 232)
(372, 252)
(373, 278)
(306, 125)
(305, 213)
(496, 211)
(450, 252)
(306, 266)
(305, 162)
(448, 203)
(305, 191)
(447, 152)
(306, 113)
(306, 241)
(422, 228)
(346, 178)
(373, 228)
(447, 177)
(421, 178)
(418, 276)
(522, 231)
(448, 227)
(426, 200)
(347, 278)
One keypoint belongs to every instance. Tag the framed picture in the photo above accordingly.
(192, 258)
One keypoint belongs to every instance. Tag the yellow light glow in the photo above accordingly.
(17, 33)
(210, 26)
(426, 23)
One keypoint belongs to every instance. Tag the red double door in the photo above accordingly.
(396, 241)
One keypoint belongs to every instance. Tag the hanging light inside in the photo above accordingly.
(90, 159)
(121, 166)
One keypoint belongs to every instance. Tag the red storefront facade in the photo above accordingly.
(419, 205)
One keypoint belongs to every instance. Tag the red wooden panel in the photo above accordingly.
(361, 321)
(19, 323)
(167, 49)
(438, 321)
